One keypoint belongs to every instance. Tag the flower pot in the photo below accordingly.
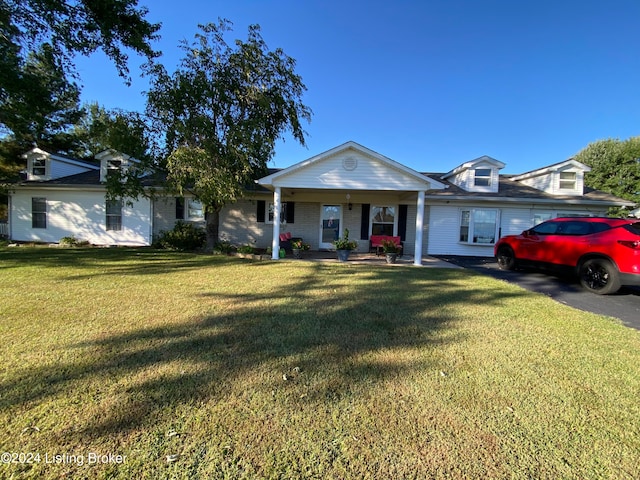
(297, 253)
(343, 255)
(391, 257)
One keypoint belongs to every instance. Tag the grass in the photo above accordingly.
(194, 366)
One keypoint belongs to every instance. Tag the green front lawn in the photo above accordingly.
(195, 366)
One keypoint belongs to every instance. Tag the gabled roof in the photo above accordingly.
(62, 158)
(110, 153)
(347, 148)
(472, 163)
(552, 168)
(511, 190)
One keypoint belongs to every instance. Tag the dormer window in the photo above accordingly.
(482, 177)
(568, 180)
(113, 167)
(39, 167)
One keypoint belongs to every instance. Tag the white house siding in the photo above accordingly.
(79, 214)
(444, 225)
(164, 214)
(368, 174)
(514, 220)
(444, 234)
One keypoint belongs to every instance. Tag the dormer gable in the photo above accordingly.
(479, 175)
(114, 162)
(564, 178)
(43, 166)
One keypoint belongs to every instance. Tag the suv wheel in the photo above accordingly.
(599, 276)
(506, 258)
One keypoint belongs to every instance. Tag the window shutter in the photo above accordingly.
(261, 208)
(290, 212)
(179, 208)
(364, 222)
(402, 222)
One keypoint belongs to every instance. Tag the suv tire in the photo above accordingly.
(600, 276)
(506, 258)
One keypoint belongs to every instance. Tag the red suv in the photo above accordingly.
(604, 252)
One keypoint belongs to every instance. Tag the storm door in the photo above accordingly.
(330, 226)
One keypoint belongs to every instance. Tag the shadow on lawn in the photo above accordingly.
(333, 331)
(106, 261)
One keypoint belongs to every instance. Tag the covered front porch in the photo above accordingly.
(348, 188)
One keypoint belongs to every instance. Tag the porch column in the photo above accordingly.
(275, 242)
(417, 257)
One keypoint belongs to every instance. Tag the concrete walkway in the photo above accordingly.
(370, 259)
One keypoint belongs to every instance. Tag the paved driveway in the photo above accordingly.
(624, 305)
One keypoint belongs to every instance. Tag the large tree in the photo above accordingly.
(122, 130)
(615, 167)
(55, 31)
(221, 113)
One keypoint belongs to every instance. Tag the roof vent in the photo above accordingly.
(350, 163)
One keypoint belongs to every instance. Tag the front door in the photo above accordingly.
(330, 225)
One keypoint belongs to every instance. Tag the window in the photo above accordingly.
(567, 180)
(383, 220)
(114, 215)
(482, 177)
(283, 213)
(191, 207)
(113, 168)
(39, 167)
(539, 217)
(550, 228)
(194, 209)
(478, 226)
(38, 212)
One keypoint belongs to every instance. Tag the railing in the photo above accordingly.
(4, 229)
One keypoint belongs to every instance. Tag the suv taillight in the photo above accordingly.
(635, 244)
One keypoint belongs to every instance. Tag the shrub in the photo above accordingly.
(184, 236)
(72, 241)
(223, 247)
(246, 249)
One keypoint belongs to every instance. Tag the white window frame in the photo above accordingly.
(268, 215)
(471, 227)
(193, 209)
(565, 181)
(537, 217)
(483, 178)
(113, 167)
(113, 221)
(40, 214)
(395, 218)
(39, 163)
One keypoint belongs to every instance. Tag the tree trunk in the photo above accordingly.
(212, 219)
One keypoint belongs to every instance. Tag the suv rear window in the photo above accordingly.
(633, 228)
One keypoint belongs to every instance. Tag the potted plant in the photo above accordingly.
(391, 250)
(344, 246)
(298, 246)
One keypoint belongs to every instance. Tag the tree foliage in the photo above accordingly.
(615, 166)
(100, 129)
(221, 113)
(38, 42)
(42, 104)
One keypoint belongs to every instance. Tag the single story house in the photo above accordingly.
(460, 212)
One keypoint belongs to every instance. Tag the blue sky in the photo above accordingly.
(431, 84)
